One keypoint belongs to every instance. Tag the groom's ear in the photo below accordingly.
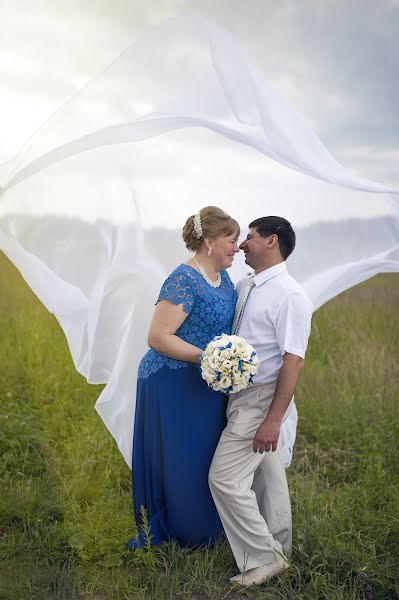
(272, 240)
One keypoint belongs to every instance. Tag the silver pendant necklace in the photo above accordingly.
(214, 284)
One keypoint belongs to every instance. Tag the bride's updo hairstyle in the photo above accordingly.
(213, 222)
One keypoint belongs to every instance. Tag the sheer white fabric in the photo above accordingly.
(69, 224)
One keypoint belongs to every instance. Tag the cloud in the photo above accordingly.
(336, 60)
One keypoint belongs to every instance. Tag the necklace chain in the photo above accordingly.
(214, 284)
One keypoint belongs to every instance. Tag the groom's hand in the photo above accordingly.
(266, 437)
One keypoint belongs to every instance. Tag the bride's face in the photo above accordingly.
(223, 251)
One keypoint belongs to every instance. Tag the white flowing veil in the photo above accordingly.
(185, 119)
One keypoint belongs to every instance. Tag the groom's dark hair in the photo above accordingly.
(266, 226)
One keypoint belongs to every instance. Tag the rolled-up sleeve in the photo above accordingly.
(293, 322)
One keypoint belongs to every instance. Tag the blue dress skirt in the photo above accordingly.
(178, 422)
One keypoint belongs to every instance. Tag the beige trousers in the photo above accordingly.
(250, 489)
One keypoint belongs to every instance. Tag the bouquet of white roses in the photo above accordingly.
(229, 364)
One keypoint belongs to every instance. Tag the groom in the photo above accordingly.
(247, 477)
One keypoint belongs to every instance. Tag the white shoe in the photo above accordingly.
(261, 574)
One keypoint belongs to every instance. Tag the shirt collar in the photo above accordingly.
(267, 274)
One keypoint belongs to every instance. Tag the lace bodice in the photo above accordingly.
(210, 313)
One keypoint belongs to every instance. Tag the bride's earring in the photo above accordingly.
(209, 251)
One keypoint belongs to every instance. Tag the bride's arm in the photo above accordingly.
(167, 319)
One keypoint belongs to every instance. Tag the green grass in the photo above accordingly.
(65, 500)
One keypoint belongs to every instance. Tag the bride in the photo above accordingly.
(179, 419)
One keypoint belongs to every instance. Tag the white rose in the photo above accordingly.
(236, 372)
(214, 363)
(227, 365)
(224, 372)
(225, 382)
(245, 367)
(235, 351)
(209, 375)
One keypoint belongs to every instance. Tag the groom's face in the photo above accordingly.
(254, 248)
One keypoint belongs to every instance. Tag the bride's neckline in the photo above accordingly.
(201, 272)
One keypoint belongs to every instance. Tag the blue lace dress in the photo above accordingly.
(179, 420)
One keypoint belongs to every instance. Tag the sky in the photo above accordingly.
(337, 61)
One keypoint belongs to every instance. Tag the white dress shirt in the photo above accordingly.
(276, 319)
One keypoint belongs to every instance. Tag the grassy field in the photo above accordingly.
(65, 503)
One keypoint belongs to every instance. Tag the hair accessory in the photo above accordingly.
(197, 226)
